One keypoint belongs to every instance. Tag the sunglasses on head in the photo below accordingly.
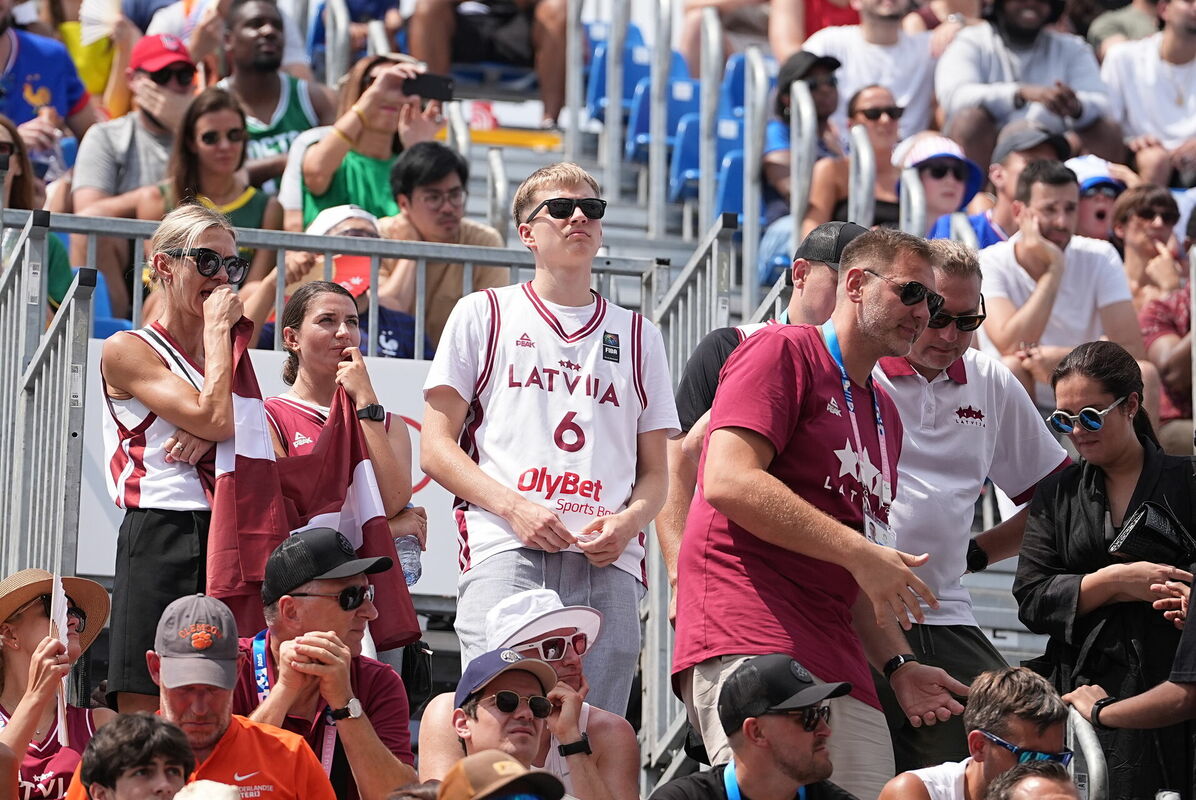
(874, 114)
(1089, 418)
(72, 610)
(1148, 215)
(507, 701)
(1025, 755)
(350, 598)
(208, 263)
(913, 293)
(941, 169)
(562, 207)
(810, 715)
(964, 322)
(184, 75)
(213, 137)
(1101, 190)
(553, 648)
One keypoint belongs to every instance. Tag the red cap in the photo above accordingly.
(152, 53)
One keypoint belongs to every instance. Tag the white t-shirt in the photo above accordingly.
(1148, 95)
(944, 781)
(906, 69)
(174, 19)
(972, 421)
(557, 398)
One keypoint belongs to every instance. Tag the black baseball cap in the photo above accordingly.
(770, 683)
(826, 242)
(1024, 134)
(798, 65)
(315, 554)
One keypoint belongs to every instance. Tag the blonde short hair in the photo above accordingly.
(564, 174)
(955, 258)
(181, 229)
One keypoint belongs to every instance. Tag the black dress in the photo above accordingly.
(1126, 648)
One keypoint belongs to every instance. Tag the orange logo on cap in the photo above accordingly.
(201, 640)
(202, 636)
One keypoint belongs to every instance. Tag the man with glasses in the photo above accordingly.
(778, 723)
(966, 419)
(1014, 716)
(788, 539)
(547, 410)
(431, 186)
(305, 673)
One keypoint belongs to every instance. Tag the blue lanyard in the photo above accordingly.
(832, 345)
(262, 678)
(732, 785)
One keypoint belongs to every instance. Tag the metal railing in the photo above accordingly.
(1088, 768)
(658, 166)
(962, 230)
(612, 132)
(338, 54)
(774, 302)
(912, 208)
(711, 71)
(803, 152)
(574, 67)
(457, 128)
(377, 42)
(755, 116)
(861, 182)
(498, 193)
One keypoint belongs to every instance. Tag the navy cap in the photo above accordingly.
(489, 666)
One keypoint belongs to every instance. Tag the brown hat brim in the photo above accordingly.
(22, 587)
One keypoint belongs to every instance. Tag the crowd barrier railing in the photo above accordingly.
(498, 193)
(658, 156)
(962, 230)
(1088, 768)
(711, 66)
(612, 131)
(912, 203)
(377, 42)
(457, 128)
(861, 182)
(755, 116)
(338, 55)
(803, 144)
(774, 302)
(574, 68)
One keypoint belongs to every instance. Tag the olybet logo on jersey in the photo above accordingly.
(539, 479)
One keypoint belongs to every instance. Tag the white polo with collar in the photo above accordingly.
(972, 421)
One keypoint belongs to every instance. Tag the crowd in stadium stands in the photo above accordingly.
(811, 483)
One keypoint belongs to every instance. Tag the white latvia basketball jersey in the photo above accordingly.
(557, 397)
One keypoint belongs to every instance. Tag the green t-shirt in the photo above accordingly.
(360, 180)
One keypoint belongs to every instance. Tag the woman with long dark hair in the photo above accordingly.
(1096, 606)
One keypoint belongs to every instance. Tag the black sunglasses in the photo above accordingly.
(1148, 215)
(213, 137)
(562, 207)
(184, 75)
(913, 293)
(1089, 418)
(7, 148)
(350, 598)
(507, 701)
(1025, 755)
(1101, 190)
(553, 648)
(810, 715)
(964, 322)
(208, 263)
(941, 169)
(874, 114)
(818, 83)
(72, 610)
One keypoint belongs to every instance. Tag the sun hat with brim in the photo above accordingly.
(527, 616)
(937, 148)
(1093, 171)
(22, 587)
(493, 773)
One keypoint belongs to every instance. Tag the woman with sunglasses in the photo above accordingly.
(1096, 607)
(875, 109)
(949, 179)
(168, 387)
(1144, 219)
(205, 167)
(32, 663)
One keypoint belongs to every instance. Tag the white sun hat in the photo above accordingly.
(530, 614)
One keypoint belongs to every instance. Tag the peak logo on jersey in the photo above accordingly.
(524, 341)
(301, 439)
(833, 408)
(546, 379)
(539, 479)
(610, 346)
(969, 416)
(568, 365)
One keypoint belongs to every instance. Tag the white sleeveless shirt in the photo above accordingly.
(945, 781)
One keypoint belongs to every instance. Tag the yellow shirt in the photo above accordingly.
(93, 61)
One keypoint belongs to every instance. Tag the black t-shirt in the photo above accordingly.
(1183, 667)
(709, 786)
(695, 391)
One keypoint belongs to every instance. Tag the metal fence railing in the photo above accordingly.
(912, 203)
(711, 66)
(774, 302)
(498, 193)
(803, 149)
(861, 183)
(612, 130)
(755, 117)
(1088, 768)
(658, 156)
(962, 230)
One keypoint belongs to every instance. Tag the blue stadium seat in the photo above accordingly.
(728, 198)
(103, 324)
(682, 99)
(684, 169)
(637, 65)
(731, 93)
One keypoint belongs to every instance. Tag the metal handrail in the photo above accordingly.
(962, 230)
(498, 190)
(574, 66)
(861, 182)
(755, 117)
(457, 134)
(1081, 739)
(612, 159)
(658, 168)
(337, 55)
(711, 71)
(912, 208)
(376, 41)
(774, 302)
(803, 152)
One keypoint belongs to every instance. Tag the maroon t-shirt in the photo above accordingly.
(47, 767)
(1168, 315)
(740, 594)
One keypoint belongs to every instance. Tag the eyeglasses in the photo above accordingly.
(964, 322)
(350, 598)
(1101, 190)
(825, 80)
(72, 610)
(941, 169)
(553, 647)
(1089, 418)
(1148, 215)
(913, 293)
(1025, 755)
(359, 233)
(562, 207)
(208, 263)
(234, 135)
(185, 75)
(507, 701)
(873, 114)
(810, 715)
(435, 199)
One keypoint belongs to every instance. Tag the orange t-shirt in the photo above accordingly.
(263, 761)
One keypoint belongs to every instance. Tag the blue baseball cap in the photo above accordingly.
(489, 666)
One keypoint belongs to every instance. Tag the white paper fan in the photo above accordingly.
(97, 19)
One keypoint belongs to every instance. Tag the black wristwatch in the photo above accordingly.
(896, 662)
(977, 559)
(352, 710)
(1096, 708)
(373, 412)
(582, 745)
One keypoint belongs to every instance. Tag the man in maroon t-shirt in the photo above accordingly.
(306, 668)
(800, 460)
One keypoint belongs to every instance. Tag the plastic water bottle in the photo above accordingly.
(409, 558)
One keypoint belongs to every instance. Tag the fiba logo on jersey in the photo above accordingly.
(610, 346)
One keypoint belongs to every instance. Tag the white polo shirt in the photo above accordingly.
(972, 421)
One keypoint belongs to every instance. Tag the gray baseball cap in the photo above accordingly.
(1024, 134)
(197, 642)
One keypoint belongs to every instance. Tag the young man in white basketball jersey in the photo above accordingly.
(547, 414)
